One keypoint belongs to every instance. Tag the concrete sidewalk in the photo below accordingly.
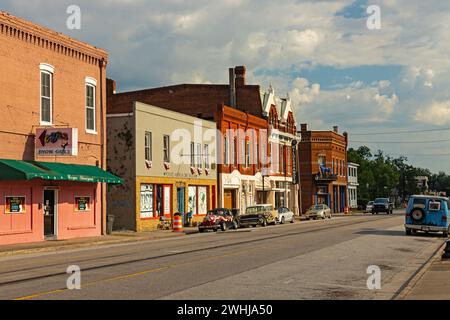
(433, 283)
(116, 237)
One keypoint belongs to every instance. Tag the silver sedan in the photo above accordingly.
(318, 211)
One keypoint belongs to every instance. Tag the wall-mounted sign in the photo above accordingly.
(295, 179)
(82, 203)
(52, 142)
(14, 205)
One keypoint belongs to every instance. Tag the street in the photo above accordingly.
(306, 260)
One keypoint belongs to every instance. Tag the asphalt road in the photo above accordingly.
(307, 260)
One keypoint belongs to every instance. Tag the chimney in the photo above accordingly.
(336, 129)
(232, 88)
(240, 72)
(304, 127)
(110, 87)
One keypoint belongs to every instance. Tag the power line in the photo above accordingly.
(399, 132)
(398, 142)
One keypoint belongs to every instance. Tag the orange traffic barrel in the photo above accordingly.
(177, 224)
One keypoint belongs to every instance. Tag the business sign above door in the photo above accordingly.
(51, 142)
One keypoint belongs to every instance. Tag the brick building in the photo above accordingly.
(242, 150)
(52, 135)
(201, 101)
(323, 168)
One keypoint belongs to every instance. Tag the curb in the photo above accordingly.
(412, 282)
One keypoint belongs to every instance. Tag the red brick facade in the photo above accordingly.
(329, 185)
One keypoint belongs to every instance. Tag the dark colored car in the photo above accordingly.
(258, 215)
(219, 218)
(382, 205)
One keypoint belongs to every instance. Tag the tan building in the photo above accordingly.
(167, 160)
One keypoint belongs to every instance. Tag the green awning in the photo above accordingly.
(28, 170)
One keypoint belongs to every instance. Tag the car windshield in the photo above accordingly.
(252, 210)
(316, 207)
(382, 200)
(216, 212)
(370, 202)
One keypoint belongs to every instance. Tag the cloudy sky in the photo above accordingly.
(372, 83)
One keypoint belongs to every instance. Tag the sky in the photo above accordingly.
(372, 83)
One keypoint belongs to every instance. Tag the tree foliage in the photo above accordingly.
(380, 175)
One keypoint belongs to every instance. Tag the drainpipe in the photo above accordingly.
(103, 146)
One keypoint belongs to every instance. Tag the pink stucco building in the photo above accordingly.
(52, 135)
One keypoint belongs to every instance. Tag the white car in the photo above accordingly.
(318, 211)
(369, 207)
(285, 215)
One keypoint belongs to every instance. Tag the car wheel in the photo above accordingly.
(293, 219)
(282, 220)
(223, 226)
(235, 225)
(201, 230)
(408, 232)
(264, 223)
(445, 234)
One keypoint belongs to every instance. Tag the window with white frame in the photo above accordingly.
(199, 155)
(90, 108)
(206, 156)
(247, 154)
(192, 154)
(46, 93)
(226, 150)
(166, 145)
(148, 146)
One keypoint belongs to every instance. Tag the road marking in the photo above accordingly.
(136, 274)
(37, 295)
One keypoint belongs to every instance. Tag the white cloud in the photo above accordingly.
(437, 114)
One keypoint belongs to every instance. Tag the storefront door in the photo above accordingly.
(228, 199)
(49, 212)
(181, 200)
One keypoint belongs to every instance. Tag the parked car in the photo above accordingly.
(318, 211)
(429, 214)
(284, 215)
(219, 218)
(369, 207)
(382, 205)
(261, 215)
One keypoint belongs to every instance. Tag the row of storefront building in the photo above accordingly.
(73, 149)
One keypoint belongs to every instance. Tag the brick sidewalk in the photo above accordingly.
(61, 245)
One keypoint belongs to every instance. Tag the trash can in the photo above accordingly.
(109, 223)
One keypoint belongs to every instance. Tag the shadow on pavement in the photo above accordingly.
(396, 233)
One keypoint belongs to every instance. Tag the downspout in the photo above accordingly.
(103, 146)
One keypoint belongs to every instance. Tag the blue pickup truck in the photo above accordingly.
(428, 214)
